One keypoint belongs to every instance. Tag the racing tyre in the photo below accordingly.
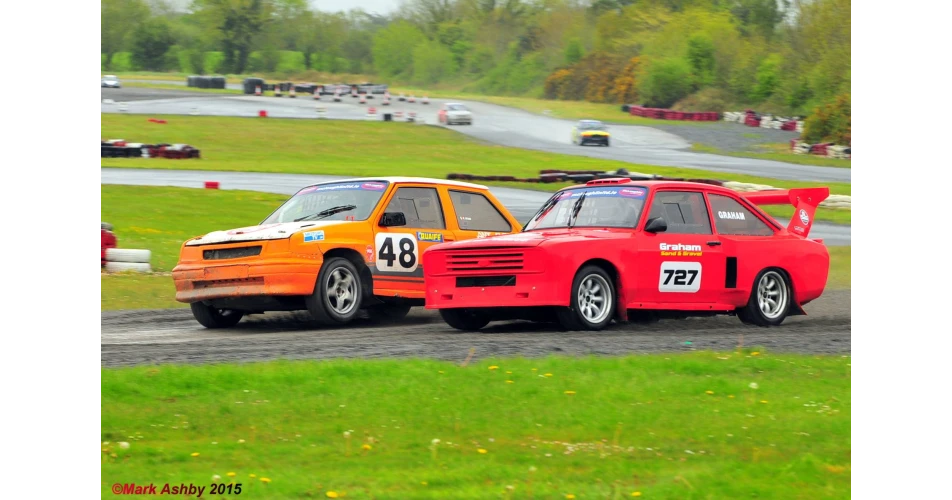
(592, 303)
(464, 319)
(209, 317)
(769, 301)
(337, 294)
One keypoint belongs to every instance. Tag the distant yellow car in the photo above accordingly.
(590, 132)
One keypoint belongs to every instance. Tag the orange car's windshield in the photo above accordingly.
(335, 201)
(602, 206)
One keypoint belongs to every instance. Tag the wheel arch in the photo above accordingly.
(795, 308)
(621, 313)
(355, 258)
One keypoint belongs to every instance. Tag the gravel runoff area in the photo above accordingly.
(147, 337)
(730, 137)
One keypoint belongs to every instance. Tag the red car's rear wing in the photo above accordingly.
(804, 199)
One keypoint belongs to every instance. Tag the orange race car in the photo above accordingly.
(333, 249)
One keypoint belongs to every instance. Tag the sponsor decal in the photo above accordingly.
(592, 193)
(731, 215)
(804, 218)
(370, 253)
(799, 229)
(432, 237)
(313, 236)
(632, 193)
(680, 250)
(370, 186)
(486, 234)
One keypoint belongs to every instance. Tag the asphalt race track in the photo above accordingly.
(521, 202)
(497, 124)
(173, 336)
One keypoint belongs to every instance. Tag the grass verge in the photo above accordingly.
(777, 152)
(693, 425)
(375, 148)
(162, 218)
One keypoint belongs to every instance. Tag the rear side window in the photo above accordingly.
(421, 206)
(730, 217)
(476, 213)
(685, 212)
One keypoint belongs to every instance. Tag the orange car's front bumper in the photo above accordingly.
(195, 282)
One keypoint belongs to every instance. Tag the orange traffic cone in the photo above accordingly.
(363, 99)
(291, 92)
(277, 90)
(317, 94)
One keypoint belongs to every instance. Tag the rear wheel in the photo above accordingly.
(337, 294)
(592, 303)
(769, 301)
(210, 317)
(468, 320)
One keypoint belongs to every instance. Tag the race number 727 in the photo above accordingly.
(680, 277)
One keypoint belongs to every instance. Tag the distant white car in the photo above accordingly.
(454, 113)
(111, 81)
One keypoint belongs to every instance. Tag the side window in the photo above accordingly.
(476, 213)
(421, 206)
(730, 217)
(685, 212)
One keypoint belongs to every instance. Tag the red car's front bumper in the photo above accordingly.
(490, 278)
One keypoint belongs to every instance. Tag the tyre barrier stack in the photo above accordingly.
(826, 149)
(669, 114)
(119, 148)
(125, 259)
(753, 119)
(206, 82)
(835, 201)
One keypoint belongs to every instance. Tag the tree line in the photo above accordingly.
(781, 56)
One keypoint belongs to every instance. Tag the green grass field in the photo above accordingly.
(671, 426)
(162, 218)
(778, 152)
(373, 148)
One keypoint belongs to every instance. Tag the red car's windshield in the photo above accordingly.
(602, 206)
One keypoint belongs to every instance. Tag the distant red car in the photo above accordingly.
(594, 253)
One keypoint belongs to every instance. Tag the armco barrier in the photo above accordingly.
(753, 119)
(668, 114)
(835, 201)
(119, 148)
(823, 149)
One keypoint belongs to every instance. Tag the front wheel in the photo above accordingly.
(337, 294)
(592, 303)
(769, 301)
(467, 320)
(210, 317)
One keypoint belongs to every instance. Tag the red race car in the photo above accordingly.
(617, 249)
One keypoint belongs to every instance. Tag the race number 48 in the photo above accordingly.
(397, 252)
(680, 277)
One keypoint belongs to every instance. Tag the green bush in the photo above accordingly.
(666, 82)
(103, 62)
(706, 100)
(829, 122)
(213, 62)
(432, 62)
(290, 62)
(122, 61)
